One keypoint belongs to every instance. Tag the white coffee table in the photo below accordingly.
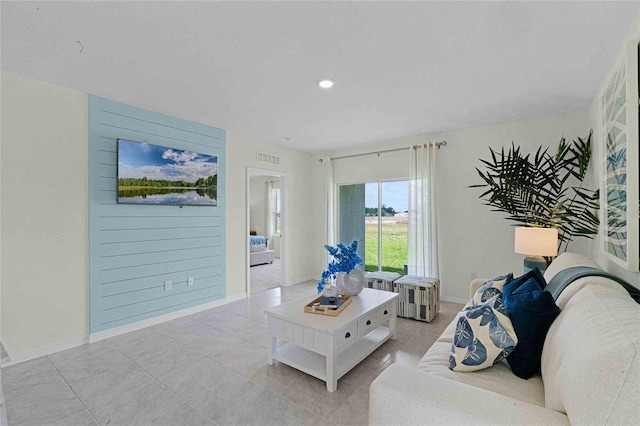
(328, 347)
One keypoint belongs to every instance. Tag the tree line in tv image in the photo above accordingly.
(132, 187)
(151, 174)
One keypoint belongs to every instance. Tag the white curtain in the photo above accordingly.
(328, 205)
(269, 207)
(422, 238)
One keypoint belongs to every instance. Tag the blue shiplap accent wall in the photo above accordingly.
(135, 248)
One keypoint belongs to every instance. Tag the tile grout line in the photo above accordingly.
(217, 363)
(160, 381)
(74, 392)
(210, 359)
(225, 367)
(225, 332)
(249, 305)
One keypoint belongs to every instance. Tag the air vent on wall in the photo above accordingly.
(264, 157)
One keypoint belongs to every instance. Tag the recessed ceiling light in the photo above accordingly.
(326, 83)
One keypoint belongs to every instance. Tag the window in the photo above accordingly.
(275, 193)
(375, 214)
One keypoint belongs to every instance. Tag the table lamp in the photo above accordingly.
(535, 243)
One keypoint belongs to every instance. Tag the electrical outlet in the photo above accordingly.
(168, 285)
(190, 281)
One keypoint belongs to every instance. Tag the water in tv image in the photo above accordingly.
(151, 174)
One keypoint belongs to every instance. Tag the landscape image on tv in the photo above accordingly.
(151, 174)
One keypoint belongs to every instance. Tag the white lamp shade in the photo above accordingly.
(536, 241)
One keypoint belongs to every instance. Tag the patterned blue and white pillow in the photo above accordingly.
(491, 288)
(484, 336)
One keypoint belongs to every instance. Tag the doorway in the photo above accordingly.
(266, 222)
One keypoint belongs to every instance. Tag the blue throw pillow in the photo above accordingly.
(484, 335)
(512, 285)
(531, 310)
(491, 288)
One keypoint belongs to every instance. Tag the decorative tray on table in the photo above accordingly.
(315, 306)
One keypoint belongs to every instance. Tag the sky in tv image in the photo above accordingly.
(138, 160)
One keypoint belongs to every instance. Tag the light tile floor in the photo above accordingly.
(205, 369)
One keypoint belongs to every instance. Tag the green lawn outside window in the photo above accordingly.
(394, 246)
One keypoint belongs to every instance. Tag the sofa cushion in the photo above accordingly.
(450, 330)
(498, 379)
(568, 260)
(531, 310)
(591, 361)
(484, 335)
(491, 288)
(573, 288)
(403, 396)
(447, 334)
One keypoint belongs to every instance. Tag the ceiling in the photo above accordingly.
(252, 67)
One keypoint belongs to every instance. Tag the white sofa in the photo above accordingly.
(259, 252)
(590, 370)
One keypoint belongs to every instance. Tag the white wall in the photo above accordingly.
(389, 165)
(1, 400)
(597, 172)
(301, 218)
(45, 243)
(473, 241)
(258, 208)
(45, 196)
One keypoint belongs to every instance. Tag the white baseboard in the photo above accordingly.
(96, 337)
(46, 350)
(454, 299)
(300, 281)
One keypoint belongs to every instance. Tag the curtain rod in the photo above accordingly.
(438, 144)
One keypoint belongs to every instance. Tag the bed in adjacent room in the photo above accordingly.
(259, 252)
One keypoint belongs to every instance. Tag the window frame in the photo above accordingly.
(275, 194)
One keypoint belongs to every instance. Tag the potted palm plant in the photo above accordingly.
(544, 190)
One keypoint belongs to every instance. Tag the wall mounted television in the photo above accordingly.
(158, 175)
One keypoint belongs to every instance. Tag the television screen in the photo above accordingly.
(151, 174)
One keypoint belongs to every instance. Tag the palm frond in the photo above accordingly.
(536, 190)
